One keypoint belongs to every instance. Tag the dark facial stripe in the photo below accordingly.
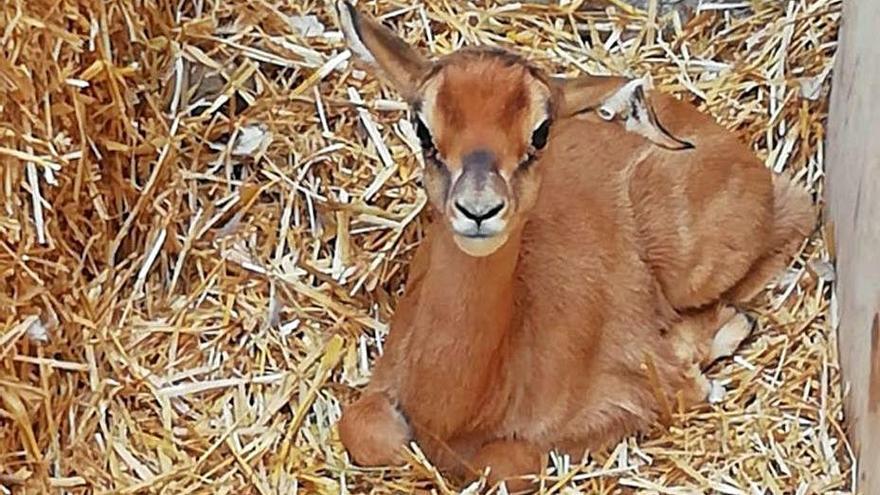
(478, 165)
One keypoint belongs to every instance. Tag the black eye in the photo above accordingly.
(424, 135)
(539, 137)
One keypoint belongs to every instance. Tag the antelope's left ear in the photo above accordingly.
(630, 105)
(383, 51)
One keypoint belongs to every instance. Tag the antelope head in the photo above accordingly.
(483, 117)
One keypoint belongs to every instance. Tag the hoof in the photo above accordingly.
(731, 335)
(510, 461)
(374, 432)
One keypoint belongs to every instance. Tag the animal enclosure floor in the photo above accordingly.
(208, 215)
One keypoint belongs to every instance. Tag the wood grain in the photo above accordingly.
(854, 208)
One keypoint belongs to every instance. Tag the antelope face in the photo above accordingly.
(482, 119)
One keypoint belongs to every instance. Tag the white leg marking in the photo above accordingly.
(730, 336)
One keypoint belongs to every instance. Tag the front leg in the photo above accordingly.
(373, 429)
(374, 432)
(510, 461)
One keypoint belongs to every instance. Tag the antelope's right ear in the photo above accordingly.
(630, 105)
(386, 53)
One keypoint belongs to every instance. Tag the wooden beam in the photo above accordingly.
(853, 167)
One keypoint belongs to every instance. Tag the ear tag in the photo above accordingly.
(619, 102)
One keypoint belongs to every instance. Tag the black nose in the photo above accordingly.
(479, 213)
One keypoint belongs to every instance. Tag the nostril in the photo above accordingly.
(464, 211)
(491, 212)
(480, 214)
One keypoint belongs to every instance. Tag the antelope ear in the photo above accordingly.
(579, 94)
(630, 105)
(378, 47)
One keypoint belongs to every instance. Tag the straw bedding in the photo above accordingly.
(208, 214)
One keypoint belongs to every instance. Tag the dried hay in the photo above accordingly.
(207, 218)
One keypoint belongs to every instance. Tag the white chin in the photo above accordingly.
(479, 247)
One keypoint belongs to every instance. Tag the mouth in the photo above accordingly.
(480, 244)
(477, 235)
(470, 230)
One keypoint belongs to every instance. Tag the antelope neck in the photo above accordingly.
(476, 311)
(481, 283)
(458, 335)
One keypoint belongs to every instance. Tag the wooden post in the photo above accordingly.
(853, 166)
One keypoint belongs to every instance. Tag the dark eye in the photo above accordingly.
(539, 137)
(424, 135)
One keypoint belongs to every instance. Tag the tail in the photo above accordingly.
(794, 217)
(794, 214)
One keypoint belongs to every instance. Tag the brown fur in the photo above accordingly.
(604, 300)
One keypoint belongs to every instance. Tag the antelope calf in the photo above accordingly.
(592, 239)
